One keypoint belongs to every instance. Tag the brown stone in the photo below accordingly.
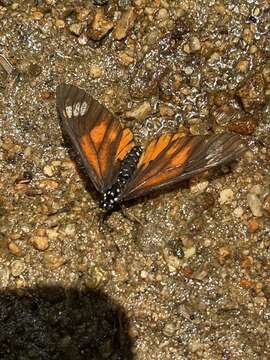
(252, 93)
(100, 25)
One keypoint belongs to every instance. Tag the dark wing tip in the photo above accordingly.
(224, 148)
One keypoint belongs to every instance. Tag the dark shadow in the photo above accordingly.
(53, 323)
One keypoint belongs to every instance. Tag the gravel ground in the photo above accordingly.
(182, 274)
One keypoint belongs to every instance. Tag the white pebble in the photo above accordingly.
(226, 196)
(255, 204)
(238, 212)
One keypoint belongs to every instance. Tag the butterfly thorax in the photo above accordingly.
(127, 167)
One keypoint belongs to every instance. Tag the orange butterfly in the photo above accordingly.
(118, 168)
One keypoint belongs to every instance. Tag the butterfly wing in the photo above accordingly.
(98, 137)
(170, 159)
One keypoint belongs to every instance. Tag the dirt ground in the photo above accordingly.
(181, 274)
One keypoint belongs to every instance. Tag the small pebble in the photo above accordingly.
(226, 196)
(140, 112)
(162, 14)
(252, 93)
(52, 260)
(14, 249)
(40, 242)
(242, 66)
(194, 44)
(48, 170)
(238, 212)
(76, 28)
(255, 204)
(169, 329)
(124, 24)
(224, 254)
(96, 71)
(17, 267)
(100, 25)
(83, 39)
(253, 225)
(144, 274)
(59, 23)
(245, 126)
(198, 187)
(166, 110)
(37, 15)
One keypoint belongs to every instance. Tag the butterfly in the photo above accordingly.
(119, 169)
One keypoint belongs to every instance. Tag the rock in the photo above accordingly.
(245, 126)
(52, 260)
(224, 254)
(14, 249)
(37, 15)
(96, 71)
(255, 204)
(198, 186)
(140, 112)
(253, 225)
(59, 23)
(76, 28)
(169, 329)
(238, 212)
(17, 267)
(48, 170)
(242, 66)
(40, 242)
(162, 14)
(252, 93)
(124, 24)
(144, 274)
(83, 39)
(166, 110)
(100, 25)
(194, 45)
(226, 196)
(125, 58)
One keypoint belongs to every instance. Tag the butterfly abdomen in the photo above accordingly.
(128, 165)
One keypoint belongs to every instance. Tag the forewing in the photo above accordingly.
(170, 159)
(95, 133)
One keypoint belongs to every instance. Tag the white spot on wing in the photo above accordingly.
(69, 111)
(76, 109)
(84, 108)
